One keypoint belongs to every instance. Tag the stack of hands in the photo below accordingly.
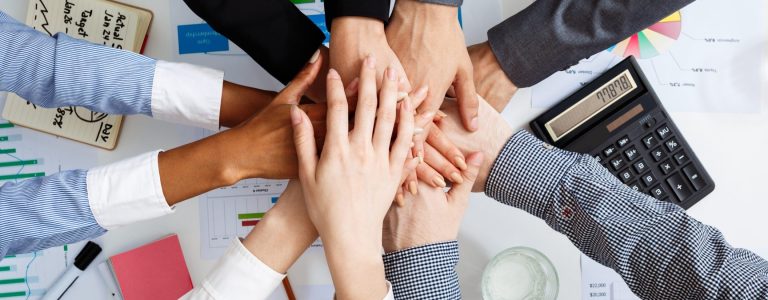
(374, 162)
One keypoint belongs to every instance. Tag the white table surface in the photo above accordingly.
(731, 146)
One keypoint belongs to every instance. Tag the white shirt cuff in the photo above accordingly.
(126, 192)
(187, 94)
(390, 295)
(238, 275)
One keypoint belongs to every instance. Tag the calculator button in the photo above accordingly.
(640, 166)
(618, 163)
(650, 141)
(666, 167)
(658, 192)
(648, 179)
(623, 141)
(609, 151)
(631, 153)
(634, 186)
(672, 145)
(664, 132)
(694, 177)
(658, 154)
(626, 176)
(679, 187)
(681, 158)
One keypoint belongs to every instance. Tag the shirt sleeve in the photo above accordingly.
(45, 212)
(424, 272)
(286, 38)
(376, 9)
(62, 71)
(455, 3)
(660, 251)
(567, 31)
(237, 275)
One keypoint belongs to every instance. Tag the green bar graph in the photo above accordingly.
(250, 216)
(12, 281)
(7, 151)
(6, 125)
(5, 268)
(302, 1)
(3, 138)
(13, 294)
(19, 163)
(21, 176)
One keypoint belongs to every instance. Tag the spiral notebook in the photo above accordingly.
(98, 21)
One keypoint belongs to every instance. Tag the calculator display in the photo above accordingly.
(591, 105)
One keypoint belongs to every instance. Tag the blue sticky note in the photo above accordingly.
(319, 21)
(200, 38)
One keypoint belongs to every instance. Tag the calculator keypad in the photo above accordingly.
(670, 176)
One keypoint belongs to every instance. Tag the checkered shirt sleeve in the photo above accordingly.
(425, 272)
(659, 251)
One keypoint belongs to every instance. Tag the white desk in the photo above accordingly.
(731, 147)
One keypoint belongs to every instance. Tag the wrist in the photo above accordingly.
(369, 27)
(414, 10)
(502, 134)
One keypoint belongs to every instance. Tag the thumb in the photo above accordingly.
(295, 89)
(467, 98)
(460, 192)
(304, 139)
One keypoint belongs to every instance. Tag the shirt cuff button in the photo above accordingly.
(547, 146)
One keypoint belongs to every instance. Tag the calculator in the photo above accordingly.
(618, 119)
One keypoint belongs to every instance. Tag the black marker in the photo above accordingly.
(83, 259)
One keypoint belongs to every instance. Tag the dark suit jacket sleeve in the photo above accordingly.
(552, 35)
(377, 9)
(276, 34)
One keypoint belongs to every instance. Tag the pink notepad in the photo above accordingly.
(154, 271)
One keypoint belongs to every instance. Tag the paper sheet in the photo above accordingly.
(27, 276)
(711, 66)
(602, 283)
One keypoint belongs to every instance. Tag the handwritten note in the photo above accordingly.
(102, 22)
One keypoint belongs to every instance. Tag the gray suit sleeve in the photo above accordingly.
(552, 35)
(456, 3)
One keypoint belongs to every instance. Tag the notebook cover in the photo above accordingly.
(154, 271)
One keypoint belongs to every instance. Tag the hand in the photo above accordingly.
(355, 38)
(316, 91)
(432, 216)
(261, 147)
(430, 43)
(349, 188)
(490, 80)
(489, 139)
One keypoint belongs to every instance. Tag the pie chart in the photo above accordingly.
(652, 41)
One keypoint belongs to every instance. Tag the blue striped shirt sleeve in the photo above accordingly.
(62, 71)
(44, 212)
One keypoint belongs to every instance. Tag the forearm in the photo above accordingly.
(621, 228)
(568, 31)
(434, 266)
(46, 212)
(355, 263)
(240, 103)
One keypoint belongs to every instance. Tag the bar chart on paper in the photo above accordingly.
(231, 212)
(15, 163)
(26, 276)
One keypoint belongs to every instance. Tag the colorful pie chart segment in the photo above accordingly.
(652, 41)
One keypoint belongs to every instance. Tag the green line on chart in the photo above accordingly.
(250, 216)
(7, 151)
(18, 163)
(6, 125)
(12, 281)
(5, 268)
(13, 294)
(21, 176)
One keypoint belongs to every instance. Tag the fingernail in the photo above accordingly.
(314, 57)
(420, 156)
(417, 160)
(473, 123)
(438, 181)
(401, 96)
(332, 74)
(295, 115)
(399, 200)
(460, 162)
(421, 93)
(441, 114)
(456, 178)
(413, 187)
(391, 74)
(413, 144)
(418, 130)
(370, 61)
